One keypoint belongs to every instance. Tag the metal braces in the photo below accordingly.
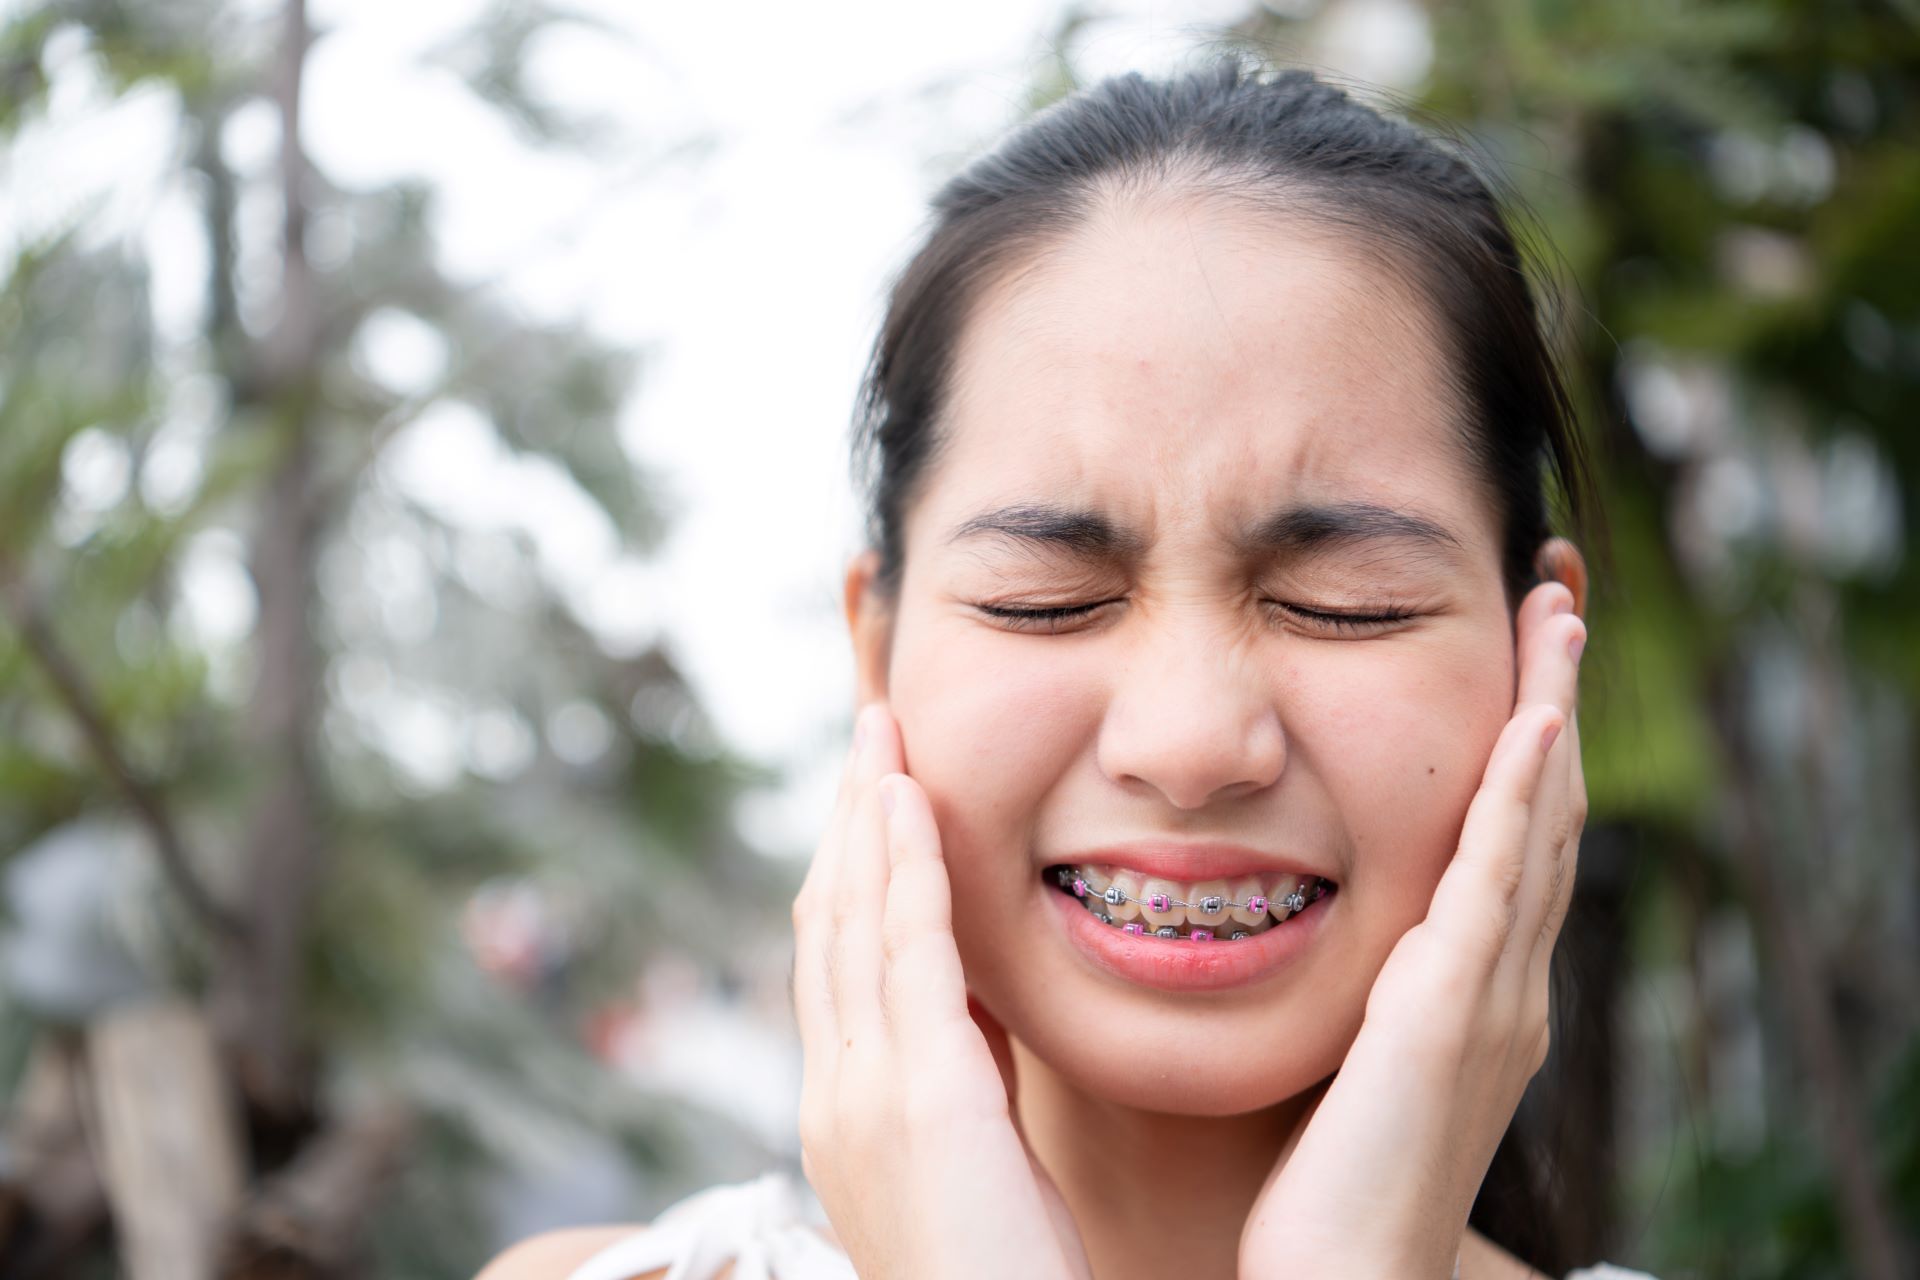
(1209, 905)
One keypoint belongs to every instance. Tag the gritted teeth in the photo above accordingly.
(1210, 909)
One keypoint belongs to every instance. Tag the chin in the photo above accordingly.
(1199, 1054)
(1220, 1075)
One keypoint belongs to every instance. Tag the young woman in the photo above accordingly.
(1188, 905)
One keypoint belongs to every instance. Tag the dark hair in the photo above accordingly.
(1289, 143)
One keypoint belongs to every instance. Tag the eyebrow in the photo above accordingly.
(1345, 524)
(1086, 534)
(1298, 529)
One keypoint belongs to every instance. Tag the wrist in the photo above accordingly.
(1352, 1265)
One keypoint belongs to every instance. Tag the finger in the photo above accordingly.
(812, 889)
(1546, 626)
(926, 991)
(1569, 854)
(1545, 601)
(813, 1003)
(1554, 674)
(1002, 1049)
(860, 888)
(996, 1037)
(1534, 1011)
(1477, 898)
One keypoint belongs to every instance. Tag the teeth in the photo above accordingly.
(1197, 899)
(1096, 880)
(1280, 891)
(1095, 884)
(1156, 891)
(1150, 905)
(1245, 889)
(1129, 883)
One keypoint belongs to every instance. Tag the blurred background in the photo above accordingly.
(423, 500)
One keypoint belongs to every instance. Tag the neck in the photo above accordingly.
(1153, 1194)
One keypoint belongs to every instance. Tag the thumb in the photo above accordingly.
(1002, 1050)
(1315, 1095)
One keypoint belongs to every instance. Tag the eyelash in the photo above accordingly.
(1048, 619)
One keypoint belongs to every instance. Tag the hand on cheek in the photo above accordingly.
(906, 1106)
(1382, 1178)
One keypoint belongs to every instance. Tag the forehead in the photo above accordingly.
(1183, 365)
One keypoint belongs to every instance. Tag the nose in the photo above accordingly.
(1196, 720)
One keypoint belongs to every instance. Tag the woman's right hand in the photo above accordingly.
(908, 1131)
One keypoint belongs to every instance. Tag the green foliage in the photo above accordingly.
(415, 614)
(1646, 747)
(1772, 1212)
(1733, 190)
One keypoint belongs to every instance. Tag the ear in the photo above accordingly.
(870, 625)
(1560, 561)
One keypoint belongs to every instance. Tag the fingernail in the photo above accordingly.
(1546, 739)
(886, 799)
(1578, 643)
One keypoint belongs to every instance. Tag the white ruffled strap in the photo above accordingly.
(758, 1226)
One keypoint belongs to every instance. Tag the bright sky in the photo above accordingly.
(751, 274)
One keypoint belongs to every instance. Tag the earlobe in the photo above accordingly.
(1558, 560)
(869, 626)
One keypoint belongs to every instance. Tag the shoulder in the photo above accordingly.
(758, 1226)
(554, 1255)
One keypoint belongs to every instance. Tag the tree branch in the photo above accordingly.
(310, 1219)
(75, 694)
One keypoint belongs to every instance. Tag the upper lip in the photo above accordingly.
(1191, 863)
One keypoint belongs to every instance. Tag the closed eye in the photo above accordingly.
(1349, 623)
(1049, 618)
(1046, 618)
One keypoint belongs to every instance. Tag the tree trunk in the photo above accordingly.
(52, 1204)
(284, 845)
(169, 1138)
(1865, 1217)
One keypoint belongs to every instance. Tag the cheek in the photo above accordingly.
(989, 728)
(1386, 746)
(1400, 742)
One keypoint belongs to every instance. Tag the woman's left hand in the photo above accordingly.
(1382, 1177)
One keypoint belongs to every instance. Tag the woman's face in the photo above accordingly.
(1182, 377)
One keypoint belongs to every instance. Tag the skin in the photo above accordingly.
(1183, 370)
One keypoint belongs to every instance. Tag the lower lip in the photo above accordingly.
(1173, 964)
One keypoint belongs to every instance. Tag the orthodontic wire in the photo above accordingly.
(1078, 886)
(1294, 901)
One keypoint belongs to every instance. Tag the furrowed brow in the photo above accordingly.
(1085, 535)
(1298, 530)
(1345, 525)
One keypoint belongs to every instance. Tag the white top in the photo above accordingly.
(763, 1228)
(760, 1226)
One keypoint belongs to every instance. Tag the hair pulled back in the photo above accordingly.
(1284, 141)
(1288, 143)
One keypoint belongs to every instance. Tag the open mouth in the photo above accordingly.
(1211, 910)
